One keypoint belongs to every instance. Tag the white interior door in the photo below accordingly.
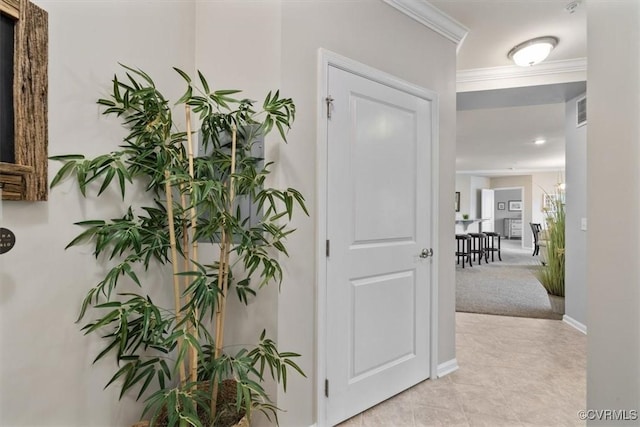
(487, 206)
(378, 224)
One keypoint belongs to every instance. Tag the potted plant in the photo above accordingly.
(551, 273)
(176, 355)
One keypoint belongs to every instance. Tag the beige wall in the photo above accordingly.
(377, 35)
(613, 206)
(543, 182)
(576, 211)
(46, 375)
(255, 46)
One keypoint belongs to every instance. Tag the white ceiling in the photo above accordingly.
(500, 140)
(498, 25)
(496, 128)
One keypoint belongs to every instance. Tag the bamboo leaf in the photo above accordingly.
(146, 383)
(85, 304)
(205, 85)
(187, 95)
(132, 275)
(295, 366)
(65, 170)
(107, 180)
(106, 102)
(122, 371)
(86, 235)
(121, 179)
(68, 157)
(184, 75)
(281, 131)
(105, 351)
(225, 92)
(267, 101)
(139, 73)
(111, 304)
(103, 322)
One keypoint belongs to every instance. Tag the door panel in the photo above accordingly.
(380, 310)
(381, 214)
(378, 222)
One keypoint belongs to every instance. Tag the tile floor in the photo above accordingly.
(513, 372)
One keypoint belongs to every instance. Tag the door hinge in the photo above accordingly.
(328, 248)
(329, 101)
(326, 388)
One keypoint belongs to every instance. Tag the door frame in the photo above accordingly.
(326, 59)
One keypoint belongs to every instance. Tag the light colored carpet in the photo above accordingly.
(507, 287)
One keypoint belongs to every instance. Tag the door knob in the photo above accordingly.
(426, 253)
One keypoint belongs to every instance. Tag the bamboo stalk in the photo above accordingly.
(186, 261)
(232, 195)
(194, 242)
(218, 339)
(223, 271)
(185, 236)
(221, 267)
(174, 263)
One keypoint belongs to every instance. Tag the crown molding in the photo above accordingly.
(514, 71)
(433, 18)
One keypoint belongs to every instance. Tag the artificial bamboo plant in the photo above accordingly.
(179, 351)
(551, 274)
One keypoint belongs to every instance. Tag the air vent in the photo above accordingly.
(581, 112)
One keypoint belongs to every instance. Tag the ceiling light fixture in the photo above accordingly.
(532, 51)
(539, 141)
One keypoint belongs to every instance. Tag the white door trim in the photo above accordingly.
(325, 59)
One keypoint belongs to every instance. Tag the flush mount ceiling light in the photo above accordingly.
(539, 141)
(532, 51)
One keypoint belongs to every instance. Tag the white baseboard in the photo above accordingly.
(573, 322)
(447, 367)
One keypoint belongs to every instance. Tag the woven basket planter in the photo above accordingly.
(225, 385)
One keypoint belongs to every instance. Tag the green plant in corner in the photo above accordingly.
(180, 350)
(551, 274)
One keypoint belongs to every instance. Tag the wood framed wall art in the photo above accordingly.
(23, 100)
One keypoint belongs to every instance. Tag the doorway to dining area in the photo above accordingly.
(505, 285)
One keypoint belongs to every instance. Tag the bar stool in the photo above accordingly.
(490, 244)
(464, 248)
(478, 242)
